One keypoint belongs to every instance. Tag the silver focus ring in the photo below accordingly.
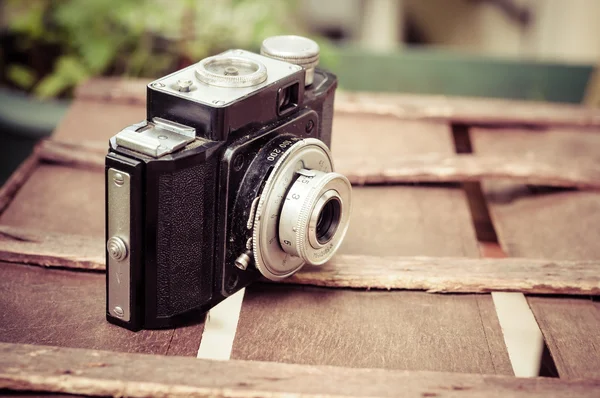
(304, 211)
(231, 71)
(270, 259)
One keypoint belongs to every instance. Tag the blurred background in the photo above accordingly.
(543, 50)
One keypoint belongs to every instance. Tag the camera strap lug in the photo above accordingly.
(156, 138)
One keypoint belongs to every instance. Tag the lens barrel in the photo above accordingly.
(303, 211)
(313, 217)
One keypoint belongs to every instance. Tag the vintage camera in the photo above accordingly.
(228, 179)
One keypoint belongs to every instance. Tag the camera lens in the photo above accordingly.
(328, 220)
(303, 212)
(314, 217)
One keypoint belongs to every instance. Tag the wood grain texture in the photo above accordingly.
(16, 180)
(463, 168)
(432, 274)
(455, 275)
(571, 328)
(85, 154)
(18, 245)
(376, 169)
(473, 111)
(394, 330)
(476, 111)
(63, 308)
(89, 372)
(59, 199)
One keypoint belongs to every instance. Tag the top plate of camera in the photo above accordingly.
(225, 78)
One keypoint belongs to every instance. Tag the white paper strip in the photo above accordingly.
(220, 327)
(522, 335)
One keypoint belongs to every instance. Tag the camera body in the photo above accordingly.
(183, 187)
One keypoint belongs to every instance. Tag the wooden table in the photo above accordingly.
(455, 196)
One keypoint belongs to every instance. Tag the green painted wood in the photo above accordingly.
(427, 71)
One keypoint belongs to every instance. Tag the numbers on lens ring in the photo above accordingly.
(274, 154)
(305, 180)
(295, 196)
(285, 144)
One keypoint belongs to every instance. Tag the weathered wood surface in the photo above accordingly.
(432, 274)
(393, 330)
(464, 168)
(571, 328)
(59, 199)
(562, 225)
(65, 308)
(477, 111)
(48, 249)
(88, 372)
(16, 180)
(374, 169)
(455, 275)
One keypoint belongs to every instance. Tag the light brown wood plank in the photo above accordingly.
(387, 168)
(403, 106)
(477, 111)
(391, 330)
(433, 274)
(41, 368)
(25, 246)
(59, 199)
(64, 308)
(17, 179)
(410, 221)
(571, 328)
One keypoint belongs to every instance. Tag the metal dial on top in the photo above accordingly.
(231, 71)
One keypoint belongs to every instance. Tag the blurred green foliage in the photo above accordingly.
(134, 37)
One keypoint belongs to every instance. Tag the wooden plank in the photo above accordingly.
(473, 111)
(51, 369)
(18, 245)
(560, 225)
(59, 199)
(571, 328)
(385, 168)
(62, 308)
(391, 330)
(433, 274)
(479, 111)
(16, 180)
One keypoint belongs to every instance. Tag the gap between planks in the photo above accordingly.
(432, 274)
(91, 372)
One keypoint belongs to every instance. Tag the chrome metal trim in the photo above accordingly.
(118, 261)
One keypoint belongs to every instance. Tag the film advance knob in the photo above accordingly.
(295, 50)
